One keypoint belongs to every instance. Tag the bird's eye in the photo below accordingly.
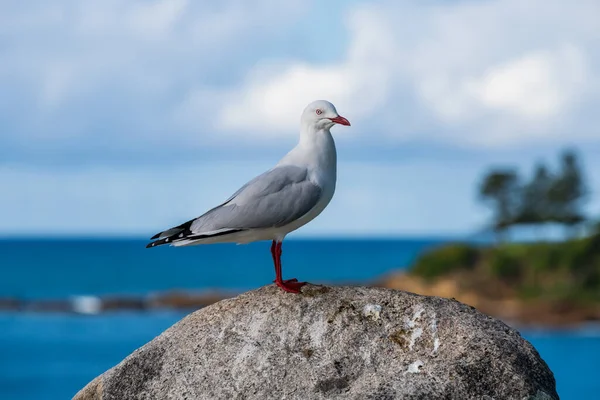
(319, 112)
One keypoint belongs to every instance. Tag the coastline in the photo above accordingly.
(515, 312)
(512, 310)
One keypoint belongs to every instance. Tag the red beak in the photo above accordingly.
(340, 120)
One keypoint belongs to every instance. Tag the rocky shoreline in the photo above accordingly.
(183, 300)
(510, 309)
(513, 311)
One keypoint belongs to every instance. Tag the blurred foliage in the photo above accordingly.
(500, 189)
(562, 274)
(555, 197)
(565, 271)
(446, 259)
(505, 265)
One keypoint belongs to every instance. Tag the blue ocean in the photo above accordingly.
(52, 355)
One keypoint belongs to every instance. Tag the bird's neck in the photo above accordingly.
(316, 150)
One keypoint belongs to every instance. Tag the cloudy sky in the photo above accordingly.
(129, 116)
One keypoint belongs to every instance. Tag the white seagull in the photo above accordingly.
(279, 201)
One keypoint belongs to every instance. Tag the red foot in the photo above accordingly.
(290, 285)
(287, 280)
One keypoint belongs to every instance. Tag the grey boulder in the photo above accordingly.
(331, 343)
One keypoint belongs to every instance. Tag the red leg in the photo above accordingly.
(274, 255)
(278, 253)
(289, 285)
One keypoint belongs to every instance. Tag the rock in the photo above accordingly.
(123, 303)
(185, 300)
(58, 305)
(9, 304)
(331, 342)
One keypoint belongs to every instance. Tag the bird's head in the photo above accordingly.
(321, 114)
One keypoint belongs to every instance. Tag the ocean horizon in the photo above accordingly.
(59, 267)
(53, 355)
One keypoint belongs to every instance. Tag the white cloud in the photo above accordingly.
(491, 73)
(481, 74)
(520, 100)
(275, 94)
(72, 67)
(275, 106)
(537, 86)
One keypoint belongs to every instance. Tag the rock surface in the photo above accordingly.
(331, 343)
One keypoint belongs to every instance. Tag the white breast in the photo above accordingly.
(320, 157)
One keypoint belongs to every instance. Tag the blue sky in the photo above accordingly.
(126, 117)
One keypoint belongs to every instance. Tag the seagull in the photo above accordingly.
(277, 202)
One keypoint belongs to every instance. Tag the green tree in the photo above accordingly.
(500, 189)
(534, 205)
(596, 230)
(568, 192)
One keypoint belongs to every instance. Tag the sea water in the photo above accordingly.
(52, 355)
(59, 268)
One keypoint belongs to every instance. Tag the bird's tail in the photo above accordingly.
(182, 235)
(171, 235)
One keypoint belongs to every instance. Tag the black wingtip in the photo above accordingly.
(160, 242)
(156, 236)
(182, 236)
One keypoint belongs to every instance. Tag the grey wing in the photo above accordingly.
(273, 199)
